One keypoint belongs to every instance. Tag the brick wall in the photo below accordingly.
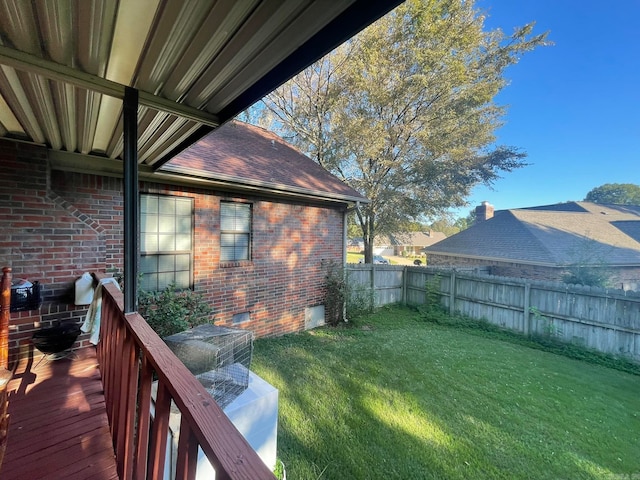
(285, 275)
(626, 278)
(44, 239)
(58, 225)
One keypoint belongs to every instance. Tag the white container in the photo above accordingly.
(84, 289)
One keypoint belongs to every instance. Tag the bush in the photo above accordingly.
(335, 293)
(172, 311)
(360, 300)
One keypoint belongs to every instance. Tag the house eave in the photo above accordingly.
(530, 262)
(492, 259)
(78, 163)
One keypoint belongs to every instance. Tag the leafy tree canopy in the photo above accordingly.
(405, 111)
(615, 193)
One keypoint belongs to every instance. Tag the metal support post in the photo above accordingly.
(131, 199)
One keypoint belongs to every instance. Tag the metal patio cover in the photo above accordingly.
(64, 65)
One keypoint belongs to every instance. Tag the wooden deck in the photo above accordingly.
(58, 422)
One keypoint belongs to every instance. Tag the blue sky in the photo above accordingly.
(574, 107)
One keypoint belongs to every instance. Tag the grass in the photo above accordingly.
(354, 257)
(392, 396)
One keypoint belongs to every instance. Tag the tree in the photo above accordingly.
(615, 193)
(463, 223)
(405, 111)
(588, 264)
(444, 225)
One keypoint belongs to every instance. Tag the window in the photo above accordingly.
(166, 239)
(235, 231)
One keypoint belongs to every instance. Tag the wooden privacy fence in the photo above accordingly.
(601, 319)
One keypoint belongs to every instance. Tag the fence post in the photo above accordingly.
(527, 307)
(452, 292)
(405, 273)
(373, 283)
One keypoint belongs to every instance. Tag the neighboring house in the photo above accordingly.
(240, 216)
(400, 244)
(355, 245)
(543, 242)
(407, 243)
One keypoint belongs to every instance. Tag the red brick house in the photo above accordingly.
(90, 91)
(240, 216)
(546, 242)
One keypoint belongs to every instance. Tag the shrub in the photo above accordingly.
(171, 311)
(335, 293)
(360, 300)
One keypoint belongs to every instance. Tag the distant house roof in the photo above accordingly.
(552, 235)
(414, 239)
(243, 154)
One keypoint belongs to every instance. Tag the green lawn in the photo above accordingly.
(391, 396)
(354, 257)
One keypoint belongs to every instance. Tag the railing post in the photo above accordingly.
(4, 317)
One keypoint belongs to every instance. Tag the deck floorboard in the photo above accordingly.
(58, 427)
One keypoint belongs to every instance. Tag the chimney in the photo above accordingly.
(484, 212)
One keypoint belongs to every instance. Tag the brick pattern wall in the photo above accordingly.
(285, 275)
(58, 225)
(503, 269)
(43, 239)
(626, 278)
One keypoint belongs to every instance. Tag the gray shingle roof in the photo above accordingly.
(414, 239)
(552, 235)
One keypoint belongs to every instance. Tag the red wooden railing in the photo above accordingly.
(130, 355)
(5, 374)
(5, 305)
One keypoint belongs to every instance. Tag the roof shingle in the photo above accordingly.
(561, 234)
(245, 154)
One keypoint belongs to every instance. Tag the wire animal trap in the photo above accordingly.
(220, 357)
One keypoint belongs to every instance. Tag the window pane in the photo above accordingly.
(149, 223)
(183, 225)
(148, 263)
(183, 242)
(166, 243)
(164, 280)
(148, 204)
(227, 239)
(227, 209)
(243, 219)
(166, 263)
(167, 205)
(241, 240)
(241, 253)
(227, 223)
(184, 206)
(183, 262)
(226, 254)
(148, 242)
(166, 224)
(149, 282)
(182, 280)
